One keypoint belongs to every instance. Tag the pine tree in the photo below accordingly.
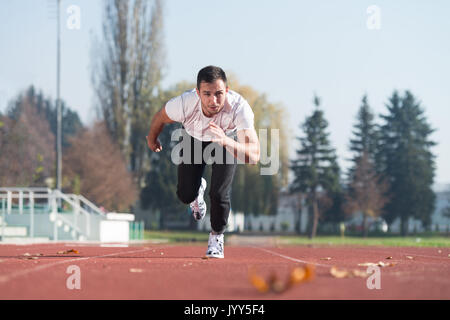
(406, 159)
(365, 135)
(366, 188)
(316, 170)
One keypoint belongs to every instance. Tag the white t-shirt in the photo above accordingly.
(236, 115)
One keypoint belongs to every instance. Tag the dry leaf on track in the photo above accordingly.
(29, 256)
(258, 282)
(335, 272)
(339, 273)
(68, 251)
(379, 264)
(135, 270)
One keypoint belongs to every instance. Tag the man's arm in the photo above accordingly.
(157, 125)
(246, 148)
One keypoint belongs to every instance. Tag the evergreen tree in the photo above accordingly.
(405, 158)
(316, 169)
(365, 136)
(70, 121)
(366, 188)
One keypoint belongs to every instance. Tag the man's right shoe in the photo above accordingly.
(198, 206)
(215, 246)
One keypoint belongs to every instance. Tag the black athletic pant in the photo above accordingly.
(190, 178)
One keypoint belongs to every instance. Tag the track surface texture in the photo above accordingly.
(179, 272)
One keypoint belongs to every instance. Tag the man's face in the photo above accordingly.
(213, 97)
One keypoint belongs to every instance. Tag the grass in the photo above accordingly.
(391, 241)
(176, 236)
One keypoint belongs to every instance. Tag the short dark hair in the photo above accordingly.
(210, 74)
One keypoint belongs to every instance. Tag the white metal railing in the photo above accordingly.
(8, 197)
(83, 201)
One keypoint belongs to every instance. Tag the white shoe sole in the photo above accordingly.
(215, 256)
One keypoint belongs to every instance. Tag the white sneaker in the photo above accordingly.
(198, 206)
(215, 246)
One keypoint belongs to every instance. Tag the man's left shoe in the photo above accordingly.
(215, 246)
(198, 206)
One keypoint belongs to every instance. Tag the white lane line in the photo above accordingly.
(292, 259)
(6, 278)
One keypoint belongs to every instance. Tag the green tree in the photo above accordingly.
(158, 192)
(26, 145)
(70, 121)
(446, 210)
(366, 189)
(316, 171)
(365, 136)
(253, 193)
(406, 159)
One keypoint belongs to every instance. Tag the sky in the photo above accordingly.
(289, 50)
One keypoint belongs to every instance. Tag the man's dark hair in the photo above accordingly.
(210, 74)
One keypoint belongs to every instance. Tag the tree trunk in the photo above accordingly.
(404, 226)
(315, 218)
(299, 222)
(364, 226)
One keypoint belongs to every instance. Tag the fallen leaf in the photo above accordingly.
(276, 284)
(359, 273)
(379, 264)
(388, 258)
(205, 258)
(258, 282)
(339, 273)
(327, 258)
(301, 274)
(68, 251)
(29, 256)
(310, 272)
(409, 257)
(367, 264)
(135, 270)
(297, 275)
(346, 273)
(382, 264)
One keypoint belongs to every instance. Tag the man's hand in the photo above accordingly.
(246, 148)
(155, 146)
(159, 121)
(220, 136)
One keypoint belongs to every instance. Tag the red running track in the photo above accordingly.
(178, 272)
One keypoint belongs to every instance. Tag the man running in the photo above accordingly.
(210, 114)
